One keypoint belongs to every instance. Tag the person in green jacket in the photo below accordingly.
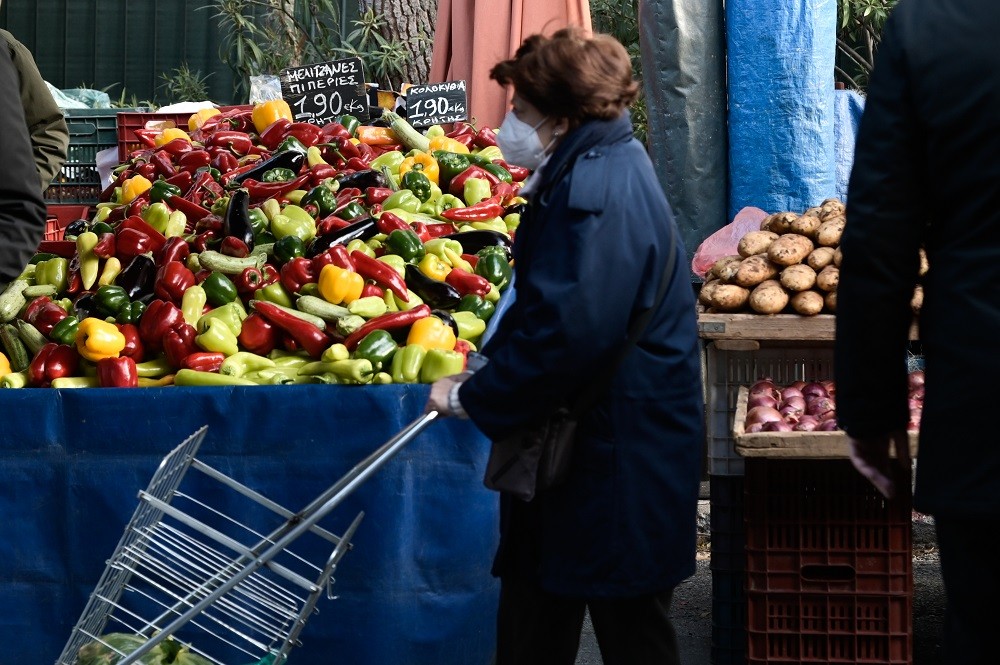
(46, 124)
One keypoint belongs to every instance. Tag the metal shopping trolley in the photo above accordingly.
(212, 579)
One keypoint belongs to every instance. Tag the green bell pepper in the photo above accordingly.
(360, 245)
(110, 299)
(406, 244)
(131, 313)
(477, 305)
(231, 314)
(293, 144)
(406, 362)
(161, 190)
(278, 175)
(349, 122)
(275, 293)
(378, 347)
(418, 183)
(288, 248)
(450, 164)
(64, 332)
(498, 171)
(322, 197)
(54, 272)
(390, 160)
(397, 262)
(259, 222)
(476, 190)
(439, 363)
(293, 225)
(368, 307)
(220, 206)
(157, 215)
(217, 337)
(470, 326)
(352, 210)
(404, 199)
(495, 268)
(219, 289)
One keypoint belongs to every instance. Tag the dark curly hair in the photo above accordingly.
(570, 75)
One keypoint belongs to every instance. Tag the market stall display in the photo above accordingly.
(251, 249)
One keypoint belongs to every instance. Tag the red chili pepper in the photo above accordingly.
(147, 137)
(233, 246)
(205, 240)
(377, 194)
(296, 273)
(461, 129)
(307, 133)
(75, 281)
(347, 150)
(228, 176)
(160, 316)
(133, 344)
(147, 170)
(163, 163)
(109, 191)
(105, 247)
(192, 211)
(381, 273)
(239, 143)
(388, 321)
(485, 138)
(421, 230)
(258, 335)
(330, 223)
(485, 209)
(272, 137)
(388, 222)
(249, 280)
(372, 290)
(192, 161)
(358, 163)
(335, 130)
(53, 361)
(466, 282)
(177, 341)
(178, 147)
(119, 372)
(175, 249)
(203, 361)
(471, 259)
(517, 173)
(336, 255)
(320, 172)
(504, 191)
(438, 230)
(172, 279)
(305, 334)
(457, 184)
(367, 153)
(224, 161)
(181, 179)
(269, 190)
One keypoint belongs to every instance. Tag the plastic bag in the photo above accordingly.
(724, 241)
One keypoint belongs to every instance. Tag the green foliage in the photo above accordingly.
(860, 24)
(385, 60)
(184, 85)
(620, 19)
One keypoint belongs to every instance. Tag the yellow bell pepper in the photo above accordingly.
(448, 144)
(4, 365)
(432, 266)
(169, 134)
(340, 286)
(422, 162)
(266, 113)
(431, 332)
(198, 118)
(133, 187)
(376, 135)
(97, 339)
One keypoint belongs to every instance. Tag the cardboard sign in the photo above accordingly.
(320, 92)
(437, 103)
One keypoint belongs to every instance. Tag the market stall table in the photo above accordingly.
(416, 587)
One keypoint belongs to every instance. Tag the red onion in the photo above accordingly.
(915, 405)
(756, 427)
(777, 426)
(917, 393)
(823, 408)
(762, 414)
(916, 379)
(830, 387)
(762, 400)
(914, 425)
(791, 391)
(806, 424)
(790, 413)
(798, 385)
(814, 389)
(797, 402)
(764, 387)
(828, 425)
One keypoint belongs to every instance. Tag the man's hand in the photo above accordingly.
(871, 457)
(440, 389)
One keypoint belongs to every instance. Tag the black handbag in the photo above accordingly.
(537, 457)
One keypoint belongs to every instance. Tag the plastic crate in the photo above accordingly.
(58, 217)
(829, 574)
(727, 370)
(90, 131)
(728, 565)
(125, 137)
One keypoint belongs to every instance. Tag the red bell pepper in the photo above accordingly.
(457, 184)
(191, 161)
(178, 147)
(504, 191)
(467, 282)
(44, 315)
(381, 273)
(106, 246)
(258, 335)
(233, 246)
(53, 361)
(377, 194)
(334, 130)
(305, 334)
(421, 230)
(205, 240)
(160, 316)
(439, 230)
(388, 222)
(203, 361)
(224, 161)
(329, 224)
(272, 137)
(117, 372)
(178, 343)
(464, 348)
(485, 138)
(357, 163)
(181, 179)
(172, 279)
(485, 209)
(134, 348)
(270, 274)
(193, 211)
(249, 281)
(321, 172)
(337, 255)
(32, 309)
(163, 163)
(239, 143)
(372, 290)
(147, 137)
(307, 133)
(388, 321)
(175, 249)
(63, 248)
(366, 154)
(471, 259)
(296, 273)
(139, 224)
(347, 150)
(131, 243)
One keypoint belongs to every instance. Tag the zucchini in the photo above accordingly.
(17, 354)
(408, 136)
(37, 290)
(12, 300)
(230, 265)
(33, 338)
(321, 308)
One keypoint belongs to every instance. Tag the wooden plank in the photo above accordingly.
(797, 445)
(781, 327)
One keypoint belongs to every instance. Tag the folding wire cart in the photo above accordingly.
(214, 579)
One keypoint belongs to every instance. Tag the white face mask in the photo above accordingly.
(519, 142)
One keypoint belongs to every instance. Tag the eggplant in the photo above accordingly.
(138, 277)
(473, 241)
(363, 179)
(85, 305)
(75, 228)
(363, 228)
(237, 220)
(287, 159)
(439, 295)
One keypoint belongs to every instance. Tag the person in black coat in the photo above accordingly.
(22, 210)
(927, 173)
(589, 256)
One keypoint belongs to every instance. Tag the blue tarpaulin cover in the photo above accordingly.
(781, 125)
(416, 588)
(848, 108)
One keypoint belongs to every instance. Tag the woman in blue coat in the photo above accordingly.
(589, 255)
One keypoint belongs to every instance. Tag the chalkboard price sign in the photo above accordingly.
(320, 92)
(437, 103)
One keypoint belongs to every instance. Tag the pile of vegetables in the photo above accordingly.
(810, 406)
(253, 250)
(110, 649)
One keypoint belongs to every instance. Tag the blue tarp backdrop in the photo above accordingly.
(781, 120)
(848, 108)
(416, 589)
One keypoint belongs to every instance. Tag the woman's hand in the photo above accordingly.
(440, 398)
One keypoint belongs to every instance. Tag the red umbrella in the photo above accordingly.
(473, 36)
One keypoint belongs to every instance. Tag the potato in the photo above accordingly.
(789, 249)
(768, 298)
(755, 242)
(829, 233)
(719, 267)
(729, 297)
(705, 292)
(779, 222)
(924, 265)
(807, 303)
(838, 256)
(827, 278)
(753, 270)
(820, 258)
(806, 225)
(799, 277)
(830, 302)
(832, 208)
(917, 302)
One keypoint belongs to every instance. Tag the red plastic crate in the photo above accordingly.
(58, 217)
(128, 122)
(829, 574)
